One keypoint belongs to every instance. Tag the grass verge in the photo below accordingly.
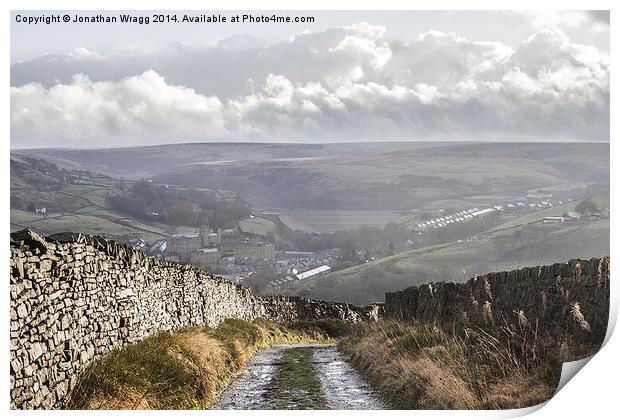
(424, 367)
(182, 370)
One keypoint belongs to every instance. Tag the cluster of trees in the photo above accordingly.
(260, 281)
(587, 207)
(186, 207)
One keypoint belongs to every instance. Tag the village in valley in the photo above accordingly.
(238, 255)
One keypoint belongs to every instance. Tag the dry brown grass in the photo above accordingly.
(182, 370)
(425, 367)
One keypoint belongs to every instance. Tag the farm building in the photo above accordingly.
(553, 219)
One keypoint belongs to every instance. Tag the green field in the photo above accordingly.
(258, 226)
(508, 249)
(95, 193)
(98, 223)
(333, 220)
(74, 207)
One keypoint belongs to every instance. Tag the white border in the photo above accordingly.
(592, 395)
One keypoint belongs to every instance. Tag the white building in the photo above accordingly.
(313, 272)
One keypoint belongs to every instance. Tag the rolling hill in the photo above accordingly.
(506, 249)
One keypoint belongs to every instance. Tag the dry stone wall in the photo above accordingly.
(75, 298)
(568, 304)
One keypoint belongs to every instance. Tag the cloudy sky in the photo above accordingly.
(494, 76)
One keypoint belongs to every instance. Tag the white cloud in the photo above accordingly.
(82, 53)
(345, 83)
(142, 106)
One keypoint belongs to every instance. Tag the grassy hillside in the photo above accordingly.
(497, 250)
(399, 180)
(74, 201)
(100, 223)
(79, 201)
(147, 161)
(258, 226)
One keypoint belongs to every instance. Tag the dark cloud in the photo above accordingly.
(599, 16)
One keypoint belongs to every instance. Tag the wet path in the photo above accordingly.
(250, 389)
(342, 387)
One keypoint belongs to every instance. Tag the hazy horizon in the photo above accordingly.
(243, 142)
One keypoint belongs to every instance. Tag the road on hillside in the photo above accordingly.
(263, 385)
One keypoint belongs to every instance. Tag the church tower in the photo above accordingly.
(204, 235)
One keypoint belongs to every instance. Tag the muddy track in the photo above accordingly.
(271, 381)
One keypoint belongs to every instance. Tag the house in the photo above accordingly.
(212, 240)
(158, 247)
(572, 215)
(254, 251)
(482, 212)
(591, 217)
(183, 244)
